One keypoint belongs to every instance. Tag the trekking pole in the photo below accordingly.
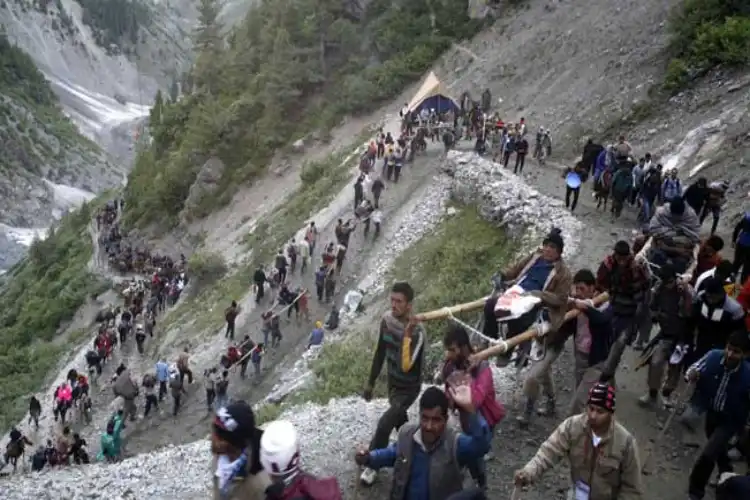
(680, 403)
(357, 482)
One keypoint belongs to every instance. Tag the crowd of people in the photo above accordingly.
(669, 277)
(144, 300)
(72, 405)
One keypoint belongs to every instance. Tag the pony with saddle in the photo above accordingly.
(16, 448)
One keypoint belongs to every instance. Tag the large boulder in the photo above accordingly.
(206, 183)
(508, 201)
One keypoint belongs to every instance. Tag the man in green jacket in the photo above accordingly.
(111, 441)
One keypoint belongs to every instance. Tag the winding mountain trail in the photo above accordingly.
(191, 422)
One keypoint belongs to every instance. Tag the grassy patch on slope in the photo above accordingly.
(707, 34)
(452, 264)
(39, 296)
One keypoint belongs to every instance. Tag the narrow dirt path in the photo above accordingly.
(191, 423)
(100, 391)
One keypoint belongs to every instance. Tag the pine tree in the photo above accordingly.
(174, 90)
(156, 110)
(209, 46)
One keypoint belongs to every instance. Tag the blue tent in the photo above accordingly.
(432, 95)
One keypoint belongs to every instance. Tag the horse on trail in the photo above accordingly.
(602, 187)
(14, 450)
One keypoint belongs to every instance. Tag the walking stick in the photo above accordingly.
(645, 470)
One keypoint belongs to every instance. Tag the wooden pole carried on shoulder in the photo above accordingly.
(530, 334)
(446, 312)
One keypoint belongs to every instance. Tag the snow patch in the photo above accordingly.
(94, 112)
(22, 235)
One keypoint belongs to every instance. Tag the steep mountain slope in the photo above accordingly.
(289, 69)
(549, 65)
(42, 151)
(103, 61)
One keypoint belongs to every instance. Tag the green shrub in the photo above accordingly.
(706, 34)
(40, 295)
(454, 263)
(342, 370)
(268, 412)
(206, 268)
(293, 66)
(678, 74)
(727, 43)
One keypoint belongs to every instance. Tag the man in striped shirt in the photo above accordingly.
(401, 347)
(722, 390)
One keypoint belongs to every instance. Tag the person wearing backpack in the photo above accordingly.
(256, 356)
(127, 389)
(177, 389)
(311, 236)
(650, 192)
(671, 187)
(222, 391)
(209, 382)
(320, 281)
(149, 388)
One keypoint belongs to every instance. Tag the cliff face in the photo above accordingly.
(46, 165)
(76, 79)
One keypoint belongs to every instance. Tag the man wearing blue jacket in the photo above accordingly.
(162, 376)
(722, 389)
(428, 457)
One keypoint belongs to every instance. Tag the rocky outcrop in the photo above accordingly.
(506, 200)
(205, 185)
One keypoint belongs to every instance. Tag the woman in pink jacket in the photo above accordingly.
(457, 370)
(63, 401)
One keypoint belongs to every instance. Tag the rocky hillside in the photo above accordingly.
(43, 155)
(582, 69)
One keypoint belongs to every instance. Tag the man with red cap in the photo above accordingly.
(235, 444)
(602, 454)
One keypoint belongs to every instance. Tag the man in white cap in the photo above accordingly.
(280, 458)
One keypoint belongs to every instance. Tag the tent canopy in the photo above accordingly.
(433, 95)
